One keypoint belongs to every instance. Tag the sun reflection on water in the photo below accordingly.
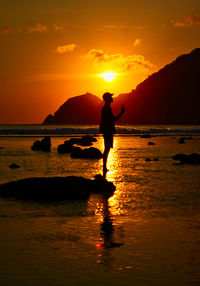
(115, 175)
(126, 174)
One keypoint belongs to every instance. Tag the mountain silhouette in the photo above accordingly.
(169, 96)
(83, 109)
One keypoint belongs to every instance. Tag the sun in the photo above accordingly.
(108, 76)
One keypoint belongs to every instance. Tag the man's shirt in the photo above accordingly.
(107, 126)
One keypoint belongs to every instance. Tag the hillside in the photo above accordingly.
(83, 109)
(169, 96)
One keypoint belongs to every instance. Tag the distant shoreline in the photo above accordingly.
(75, 130)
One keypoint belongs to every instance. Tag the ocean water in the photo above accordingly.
(147, 233)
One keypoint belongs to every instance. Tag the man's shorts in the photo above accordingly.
(108, 140)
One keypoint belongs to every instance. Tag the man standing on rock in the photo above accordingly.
(107, 127)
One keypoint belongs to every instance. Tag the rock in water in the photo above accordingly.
(54, 189)
(84, 141)
(43, 145)
(67, 147)
(193, 158)
(182, 140)
(88, 153)
(14, 166)
(87, 140)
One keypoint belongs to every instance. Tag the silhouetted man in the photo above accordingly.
(107, 126)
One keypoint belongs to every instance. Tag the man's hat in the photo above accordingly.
(107, 95)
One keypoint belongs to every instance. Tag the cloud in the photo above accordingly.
(137, 42)
(38, 28)
(58, 27)
(123, 27)
(6, 30)
(118, 62)
(188, 21)
(65, 49)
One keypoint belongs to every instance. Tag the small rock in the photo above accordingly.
(148, 159)
(182, 140)
(156, 159)
(151, 143)
(14, 166)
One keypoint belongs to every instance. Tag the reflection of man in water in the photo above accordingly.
(108, 235)
(107, 126)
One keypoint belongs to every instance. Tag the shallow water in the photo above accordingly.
(148, 233)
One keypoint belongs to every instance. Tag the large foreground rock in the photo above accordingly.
(54, 189)
(193, 158)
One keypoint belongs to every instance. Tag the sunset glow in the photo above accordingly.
(65, 48)
(108, 76)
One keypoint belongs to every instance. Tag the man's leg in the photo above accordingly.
(105, 157)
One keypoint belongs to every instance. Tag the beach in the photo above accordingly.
(147, 233)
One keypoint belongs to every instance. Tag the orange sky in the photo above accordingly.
(52, 50)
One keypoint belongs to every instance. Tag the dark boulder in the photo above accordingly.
(156, 159)
(182, 140)
(74, 141)
(54, 189)
(84, 141)
(14, 166)
(88, 153)
(151, 143)
(148, 159)
(193, 158)
(43, 145)
(67, 147)
(76, 152)
(87, 140)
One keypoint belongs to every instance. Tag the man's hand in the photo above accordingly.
(120, 114)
